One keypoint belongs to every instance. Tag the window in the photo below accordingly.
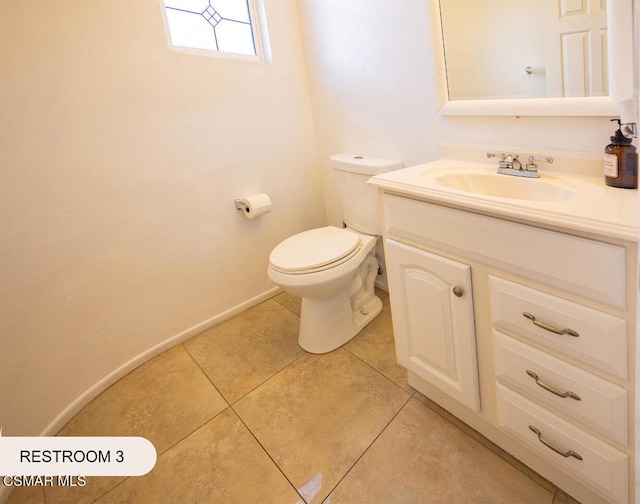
(222, 27)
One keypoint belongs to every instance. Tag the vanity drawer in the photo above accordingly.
(586, 267)
(602, 467)
(597, 403)
(601, 340)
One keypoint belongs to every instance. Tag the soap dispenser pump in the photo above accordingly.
(621, 159)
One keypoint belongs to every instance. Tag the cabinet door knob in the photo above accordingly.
(457, 291)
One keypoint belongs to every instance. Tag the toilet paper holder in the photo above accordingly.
(241, 205)
(254, 206)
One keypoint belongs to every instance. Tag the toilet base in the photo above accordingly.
(326, 324)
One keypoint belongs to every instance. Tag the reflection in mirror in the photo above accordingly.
(496, 49)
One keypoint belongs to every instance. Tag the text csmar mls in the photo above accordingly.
(70, 456)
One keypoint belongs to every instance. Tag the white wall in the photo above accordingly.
(368, 69)
(371, 88)
(120, 162)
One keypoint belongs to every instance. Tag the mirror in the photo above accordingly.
(530, 57)
(493, 50)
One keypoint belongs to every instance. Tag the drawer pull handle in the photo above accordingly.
(550, 328)
(549, 444)
(552, 389)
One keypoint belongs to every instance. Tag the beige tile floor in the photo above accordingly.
(240, 414)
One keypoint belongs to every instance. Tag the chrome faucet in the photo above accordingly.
(509, 164)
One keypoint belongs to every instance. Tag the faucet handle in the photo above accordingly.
(531, 166)
(504, 162)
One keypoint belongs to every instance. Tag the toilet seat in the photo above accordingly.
(315, 250)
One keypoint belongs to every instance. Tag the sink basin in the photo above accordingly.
(505, 186)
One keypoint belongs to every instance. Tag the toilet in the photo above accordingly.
(334, 269)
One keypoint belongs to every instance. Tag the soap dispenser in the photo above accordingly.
(621, 160)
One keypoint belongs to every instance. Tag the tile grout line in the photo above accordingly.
(230, 405)
(302, 499)
(183, 437)
(205, 374)
(276, 373)
(410, 396)
(378, 371)
(455, 422)
(266, 451)
(369, 447)
(166, 451)
(108, 491)
(284, 306)
(439, 413)
(445, 417)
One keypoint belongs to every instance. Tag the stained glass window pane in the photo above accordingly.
(215, 25)
(187, 31)
(232, 10)
(235, 37)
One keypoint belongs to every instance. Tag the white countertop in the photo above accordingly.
(597, 209)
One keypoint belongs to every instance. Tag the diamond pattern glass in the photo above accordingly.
(214, 25)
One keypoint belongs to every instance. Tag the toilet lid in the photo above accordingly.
(314, 249)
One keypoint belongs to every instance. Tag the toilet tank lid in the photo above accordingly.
(366, 165)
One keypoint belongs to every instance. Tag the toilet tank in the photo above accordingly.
(358, 200)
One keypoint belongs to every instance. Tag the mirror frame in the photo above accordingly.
(620, 55)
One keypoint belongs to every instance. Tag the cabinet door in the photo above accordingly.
(432, 321)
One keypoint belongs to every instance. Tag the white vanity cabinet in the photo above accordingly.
(535, 350)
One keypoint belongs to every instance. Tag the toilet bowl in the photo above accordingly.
(338, 297)
(334, 269)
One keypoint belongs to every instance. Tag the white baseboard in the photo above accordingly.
(84, 399)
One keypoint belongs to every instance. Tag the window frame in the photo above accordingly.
(258, 27)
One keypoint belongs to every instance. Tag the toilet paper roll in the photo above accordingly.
(256, 205)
